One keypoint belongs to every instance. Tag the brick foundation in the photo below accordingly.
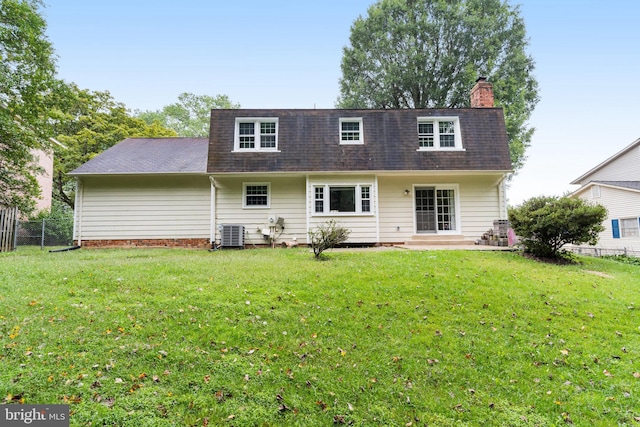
(148, 243)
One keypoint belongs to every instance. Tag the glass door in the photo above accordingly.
(425, 209)
(435, 210)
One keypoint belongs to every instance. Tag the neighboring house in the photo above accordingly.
(615, 184)
(270, 176)
(44, 160)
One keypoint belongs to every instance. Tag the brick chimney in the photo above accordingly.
(482, 94)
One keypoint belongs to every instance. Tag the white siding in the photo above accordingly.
(143, 207)
(620, 204)
(624, 168)
(478, 196)
(287, 200)
(363, 227)
(392, 212)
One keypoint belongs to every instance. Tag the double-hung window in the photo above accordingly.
(351, 131)
(342, 199)
(255, 195)
(629, 227)
(439, 133)
(256, 134)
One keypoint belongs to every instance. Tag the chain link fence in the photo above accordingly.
(44, 233)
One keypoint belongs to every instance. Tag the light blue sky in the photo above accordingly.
(287, 53)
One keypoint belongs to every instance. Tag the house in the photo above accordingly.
(44, 160)
(267, 176)
(615, 184)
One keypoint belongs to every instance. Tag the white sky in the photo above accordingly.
(287, 53)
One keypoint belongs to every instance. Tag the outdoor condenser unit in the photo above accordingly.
(232, 236)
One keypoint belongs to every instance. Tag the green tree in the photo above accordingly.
(545, 224)
(428, 54)
(190, 116)
(87, 123)
(27, 71)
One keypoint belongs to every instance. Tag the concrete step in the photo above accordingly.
(438, 240)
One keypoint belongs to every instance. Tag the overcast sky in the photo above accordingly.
(287, 53)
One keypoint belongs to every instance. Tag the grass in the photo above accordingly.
(273, 337)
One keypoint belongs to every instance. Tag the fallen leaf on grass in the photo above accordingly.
(321, 404)
(108, 402)
(222, 395)
(71, 399)
(12, 398)
(163, 410)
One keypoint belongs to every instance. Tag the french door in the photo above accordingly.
(435, 210)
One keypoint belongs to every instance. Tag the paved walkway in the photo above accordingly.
(456, 247)
(428, 248)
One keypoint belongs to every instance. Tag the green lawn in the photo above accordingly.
(272, 337)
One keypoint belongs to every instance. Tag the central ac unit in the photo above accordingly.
(232, 236)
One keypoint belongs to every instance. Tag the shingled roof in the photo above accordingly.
(150, 156)
(632, 185)
(308, 141)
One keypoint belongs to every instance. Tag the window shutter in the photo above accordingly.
(615, 226)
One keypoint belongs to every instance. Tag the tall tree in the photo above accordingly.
(428, 53)
(190, 115)
(27, 70)
(87, 123)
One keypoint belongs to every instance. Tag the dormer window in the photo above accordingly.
(351, 131)
(256, 134)
(439, 133)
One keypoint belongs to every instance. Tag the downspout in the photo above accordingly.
(307, 208)
(377, 210)
(77, 213)
(212, 215)
(502, 198)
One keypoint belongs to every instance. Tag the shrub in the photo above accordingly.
(546, 223)
(327, 236)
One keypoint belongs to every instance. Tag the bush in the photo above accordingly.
(327, 236)
(545, 224)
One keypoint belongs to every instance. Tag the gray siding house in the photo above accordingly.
(615, 184)
(267, 176)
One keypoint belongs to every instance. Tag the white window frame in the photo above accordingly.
(436, 133)
(257, 121)
(360, 139)
(245, 185)
(326, 199)
(457, 214)
(632, 226)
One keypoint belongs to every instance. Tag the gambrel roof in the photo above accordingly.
(309, 141)
(150, 156)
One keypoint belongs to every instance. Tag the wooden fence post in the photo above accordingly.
(8, 229)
